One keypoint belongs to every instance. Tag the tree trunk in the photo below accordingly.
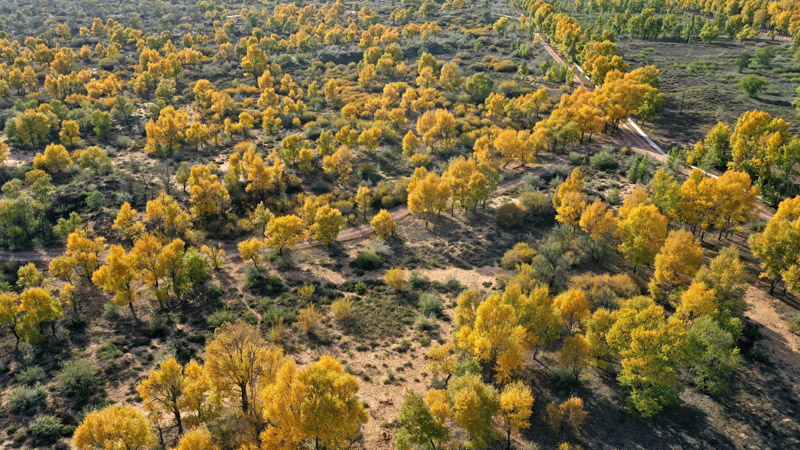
(133, 311)
(244, 397)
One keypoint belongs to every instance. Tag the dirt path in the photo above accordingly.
(232, 250)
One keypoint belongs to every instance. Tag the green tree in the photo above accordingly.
(418, 426)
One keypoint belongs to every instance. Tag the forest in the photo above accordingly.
(399, 225)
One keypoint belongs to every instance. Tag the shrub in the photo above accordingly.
(418, 282)
(78, 379)
(368, 261)
(360, 288)
(604, 160)
(263, 284)
(521, 253)
(26, 399)
(308, 319)
(538, 205)
(30, 375)
(46, 429)
(343, 309)
(75, 321)
(575, 159)
(511, 215)
(752, 85)
(218, 317)
(156, 327)
(108, 351)
(396, 278)
(430, 304)
(425, 323)
(110, 311)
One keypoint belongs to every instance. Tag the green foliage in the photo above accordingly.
(368, 261)
(430, 304)
(752, 85)
(30, 375)
(26, 399)
(604, 160)
(510, 215)
(78, 380)
(218, 317)
(418, 427)
(46, 429)
(478, 86)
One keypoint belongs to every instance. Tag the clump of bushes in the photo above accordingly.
(521, 253)
(78, 380)
(511, 215)
(368, 261)
(46, 429)
(604, 160)
(26, 399)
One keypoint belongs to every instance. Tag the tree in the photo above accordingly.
(665, 193)
(474, 406)
(642, 234)
(166, 135)
(478, 87)
(55, 159)
(597, 221)
(569, 199)
(162, 391)
(85, 250)
(752, 85)
(696, 301)
(285, 232)
(442, 360)
(340, 163)
(197, 439)
(495, 337)
(239, 363)
(101, 123)
(651, 347)
(118, 276)
(327, 224)
(427, 194)
(711, 354)
(676, 263)
(70, 132)
(250, 250)
(778, 246)
(167, 217)
(208, 196)
(323, 407)
(573, 307)
(382, 224)
(126, 224)
(418, 426)
(567, 415)
(576, 355)
(113, 427)
(742, 60)
(516, 401)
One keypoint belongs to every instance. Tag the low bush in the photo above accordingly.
(46, 429)
(26, 399)
(368, 261)
(511, 215)
(79, 380)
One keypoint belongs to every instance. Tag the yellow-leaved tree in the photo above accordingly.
(318, 403)
(114, 427)
(570, 199)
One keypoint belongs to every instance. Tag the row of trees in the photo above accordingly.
(243, 383)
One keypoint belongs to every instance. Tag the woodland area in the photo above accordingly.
(405, 224)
